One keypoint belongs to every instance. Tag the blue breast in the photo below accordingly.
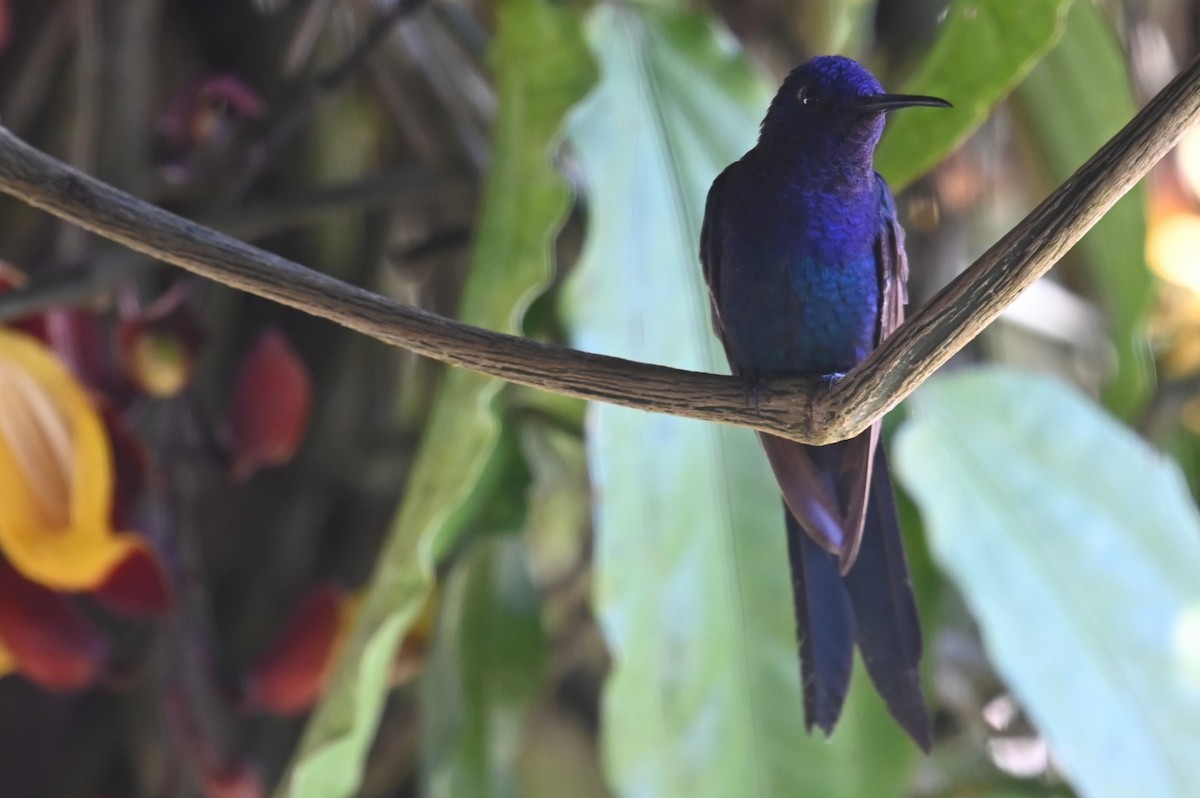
(799, 288)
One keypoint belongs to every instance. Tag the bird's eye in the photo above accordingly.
(808, 97)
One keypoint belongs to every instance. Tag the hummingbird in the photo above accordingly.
(804, 259)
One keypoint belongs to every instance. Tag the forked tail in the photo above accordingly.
(873, 604)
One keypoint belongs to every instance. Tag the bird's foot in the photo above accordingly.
(833, 378)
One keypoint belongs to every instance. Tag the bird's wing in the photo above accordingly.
(893, 264)
(810, 478)
(710, 257)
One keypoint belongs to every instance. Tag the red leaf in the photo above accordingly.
(268, 412)
(52, 642)
(290, 676)
(137, 586)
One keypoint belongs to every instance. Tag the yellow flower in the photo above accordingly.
(56, 473)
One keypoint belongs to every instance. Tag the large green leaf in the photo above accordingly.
(983, 50)
(692, 586)
(485, 670)
(1075, 100)
(1077, 548)
(542, 68)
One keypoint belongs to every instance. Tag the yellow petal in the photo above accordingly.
(75, 559)
(161, 364)
(55, 472)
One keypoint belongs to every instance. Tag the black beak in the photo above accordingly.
(889, 102)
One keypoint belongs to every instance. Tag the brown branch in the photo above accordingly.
(801, 409)
(79, 285)
(40, 180)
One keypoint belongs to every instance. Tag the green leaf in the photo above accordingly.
(483, 675)
(542, 69)
(1067, 119)
(983, 50)
(1077, 548)
(692, 583)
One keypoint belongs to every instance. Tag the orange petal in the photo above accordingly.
(50, 640)
(268, 412)
(56, 469)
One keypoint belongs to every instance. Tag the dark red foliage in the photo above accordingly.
(268, 412)
(289, 677)
(51, 640)
(81, 341)
(137, 586)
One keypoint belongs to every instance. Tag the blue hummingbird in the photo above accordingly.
(805, 263)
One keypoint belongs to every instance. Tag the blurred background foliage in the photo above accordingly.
(353, 572)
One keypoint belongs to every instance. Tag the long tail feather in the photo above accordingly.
(888, 629)
(824, 625)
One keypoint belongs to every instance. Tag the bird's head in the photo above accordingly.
(832, 106)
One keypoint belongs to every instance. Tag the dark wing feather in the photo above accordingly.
(888, 628)
(893, 264)
(710, 256)
(807, 488)
(855, 461)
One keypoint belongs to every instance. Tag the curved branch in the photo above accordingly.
(38, 179)
(801, 409)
